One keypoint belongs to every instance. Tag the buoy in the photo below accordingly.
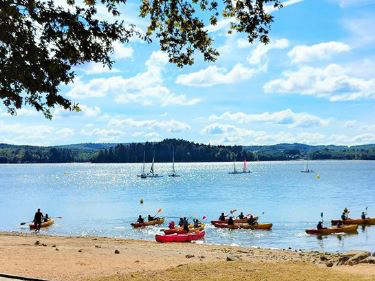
(141, 201)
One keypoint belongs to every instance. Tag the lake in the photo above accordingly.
(102, 199)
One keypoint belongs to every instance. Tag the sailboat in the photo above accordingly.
(307, 170)
(173, 170)
(152, 174)
(143, 173)
(244, 169)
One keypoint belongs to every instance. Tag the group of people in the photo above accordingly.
(250, 219)
(344, 217)
(149, 218)
(38, 219)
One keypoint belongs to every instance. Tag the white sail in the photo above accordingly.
(144, 163)
(152, 165)
(173, 170)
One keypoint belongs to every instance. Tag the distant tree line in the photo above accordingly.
(184, 151)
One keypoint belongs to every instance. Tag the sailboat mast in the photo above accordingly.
(144, 162)
(173, 171)
(152, 165)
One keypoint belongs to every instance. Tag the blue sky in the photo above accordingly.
(314, 83)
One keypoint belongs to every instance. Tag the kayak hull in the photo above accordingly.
(179, 237)
(369, 221)
(265, 226)
(331, 230)
(226, 221)
(147, 223)
(44, 224)
(180, 230)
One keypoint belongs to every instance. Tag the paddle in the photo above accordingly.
(23, 223)
(321, 214)
(158, 212)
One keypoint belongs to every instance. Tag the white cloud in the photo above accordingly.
(229, 134)
(333, 82)
(64, 133)
(90, 111)
(86, 111)
(260, 52)
(284, 117)
(214, 75)
(171, 126)
(145, 88)
(31, 134)
(122, 52)
(98, 68)
(360, 30)
(303, 53)
(21, 112)
(352, 3)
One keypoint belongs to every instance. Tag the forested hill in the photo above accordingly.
(185, 151)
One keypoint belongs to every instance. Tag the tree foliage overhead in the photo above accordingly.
(40, 41)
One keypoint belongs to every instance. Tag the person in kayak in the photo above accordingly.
(186, 227)
(150, 218)
(186, 221)
(172, 225)
(46, 218)
(363, 216)
(230, 221)
(38, 217)
(222, 217)
(320, 225)
(196, 223)
(241, 216)
(140, 219)
(251, 220)
(181, 222)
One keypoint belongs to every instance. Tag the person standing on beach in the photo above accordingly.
(38, 217)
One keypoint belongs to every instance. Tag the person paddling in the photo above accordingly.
(241, 216)
(140, 219)
(181, 222)
(150, 218)
(363, 216)
(230, 221)
(222, 217)
(251, 220)
(186, 227)
(38, 217)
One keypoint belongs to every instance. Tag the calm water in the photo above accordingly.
(102, 199)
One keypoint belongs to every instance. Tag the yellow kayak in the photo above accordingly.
(44, 224)
(146, 223)
(334, 229)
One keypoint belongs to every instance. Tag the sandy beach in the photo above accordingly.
(100, 258)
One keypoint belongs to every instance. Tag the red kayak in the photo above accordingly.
(179, 237)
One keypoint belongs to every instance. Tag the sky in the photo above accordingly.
(314, 83)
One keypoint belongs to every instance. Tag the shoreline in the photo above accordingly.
(89, 258)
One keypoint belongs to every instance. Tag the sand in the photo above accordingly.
(94, 258)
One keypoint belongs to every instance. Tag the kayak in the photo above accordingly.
(334, 229)
(180, 230)
(266, 226)
(146, 223)
(44, 224)
(179, 237)
(226, 220)
(367, 221)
